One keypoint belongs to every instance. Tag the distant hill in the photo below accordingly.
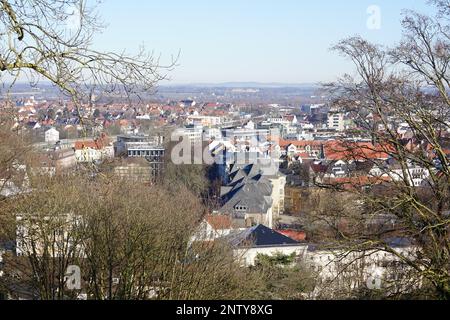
(244, 85)
(46, 84)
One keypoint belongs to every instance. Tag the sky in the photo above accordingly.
(286, 41)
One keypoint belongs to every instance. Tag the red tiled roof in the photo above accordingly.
(337, 150)
(341, 150)
(219, 222)
(303, 155)
(92, 144)
(299, 144)
(295, 235)
(80, 145)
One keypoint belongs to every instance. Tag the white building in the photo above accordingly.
(416, 175)
(279, 120)
(206, 121)
(32, 230)
(336, 121)
(249, 256)
(335, 271)
(338, 270)
(249, 244)
(289, 130)
(213, 227)
(51, 136)
(278, 194)
(193, 135)
(250, 125)
(12, 186)
(92, 151)
(212, 134)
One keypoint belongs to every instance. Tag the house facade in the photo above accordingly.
(213, 227)
(51, 136)
(94, 150)
(250, 243)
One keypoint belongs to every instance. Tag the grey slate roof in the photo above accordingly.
(247, 188)
(259, 236)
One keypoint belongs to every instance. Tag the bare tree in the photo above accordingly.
(43, 226)
(406, 86)
(52, 40)
(129, 243)
(14, 152)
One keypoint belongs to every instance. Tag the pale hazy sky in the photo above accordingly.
(248, 40)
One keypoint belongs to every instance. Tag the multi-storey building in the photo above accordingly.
(336, 121)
